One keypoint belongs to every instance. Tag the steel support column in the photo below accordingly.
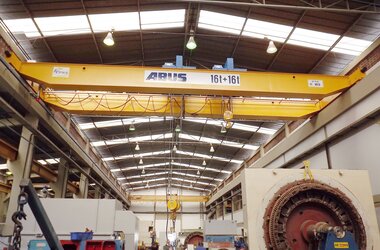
(83, 185)
(60, 187)
(20, 168)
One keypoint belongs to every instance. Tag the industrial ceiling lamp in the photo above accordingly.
(174, 148)
(271, 47)
(132, 126)
(223, 130)
(143, 171)
(178, 128)
(204, 163)
(137, 148)
(141, 161)
(191, 44)
(212, 150)
(198, 173)
(147, 184)
(108, 40)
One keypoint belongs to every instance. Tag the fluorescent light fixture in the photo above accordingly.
(271, 47)
(108, 40)
(49, 161)
(63, 25)
(3, 166)
(217, 141)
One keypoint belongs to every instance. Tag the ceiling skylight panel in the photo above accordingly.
(22, 26)
(220, 22)
(63, 25)
(162, 19)
(261, 29)
(201, 168)
(351, 46)
(117, 21)
(312, 39)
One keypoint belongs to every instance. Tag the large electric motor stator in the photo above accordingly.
(296, 209)
(303, 210)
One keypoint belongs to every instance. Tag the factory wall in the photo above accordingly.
(154, 214)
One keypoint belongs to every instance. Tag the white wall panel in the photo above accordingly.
(305, 145)
(317, 161)
(357, 112)
(360, 151)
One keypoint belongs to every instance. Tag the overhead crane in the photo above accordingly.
(180, 92)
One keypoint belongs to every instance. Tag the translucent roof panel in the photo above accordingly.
(22, 26)
(351, 46)
(220, 22)
(312, 39)
(162, 19)
(261, 29)
(63, 25)
(117, 21)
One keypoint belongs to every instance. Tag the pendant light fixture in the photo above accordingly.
(141, 161)
(204, 163)
(108, 40)
(174, 148)
(271, 47)
(137, 148)
(198, 173)
(132, 126)
(143, 171)
(178, 128)
(212, 150)
(191, 44)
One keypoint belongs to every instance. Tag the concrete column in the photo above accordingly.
(20, 169)
(60, 187)
(83, 185)
(98, 193)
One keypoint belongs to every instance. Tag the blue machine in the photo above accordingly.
(331, 242)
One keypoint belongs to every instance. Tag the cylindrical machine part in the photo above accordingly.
(302, 209)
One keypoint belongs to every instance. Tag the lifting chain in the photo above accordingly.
(16, 218)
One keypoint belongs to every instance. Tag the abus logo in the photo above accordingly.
(164, 76)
